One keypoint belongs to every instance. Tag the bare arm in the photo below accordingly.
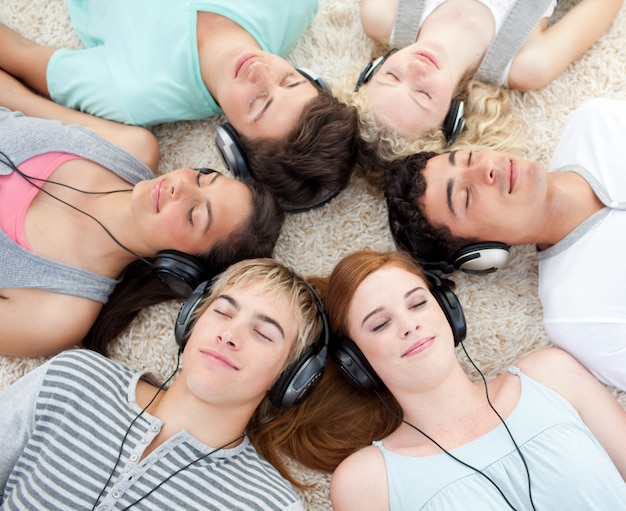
(599, 410)
(58, 323)
(25, 59)
(377, 18)
(360, 482)
(37, 323)
(550, 49)
(139, 142)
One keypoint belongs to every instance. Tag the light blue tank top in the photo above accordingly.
(569, 469)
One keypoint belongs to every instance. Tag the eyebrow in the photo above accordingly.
(262, 317)
(208, 207)
(379, 309)
(271, 100)
(450, 185)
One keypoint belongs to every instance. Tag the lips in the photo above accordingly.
(219, 358)
(424, 55)
(242, 62)
(157, 191)
(419, 346)
(512, 176)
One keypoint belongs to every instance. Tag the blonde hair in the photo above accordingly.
(489, 124)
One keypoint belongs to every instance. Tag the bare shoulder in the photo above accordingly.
(360, 481)
(560, 372)
(378, 18)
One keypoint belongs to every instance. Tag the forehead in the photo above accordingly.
(286, 109)
(262, 300)
(435, 202)
(231, 205)
(388, 281)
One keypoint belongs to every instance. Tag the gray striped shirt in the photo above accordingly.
(62, 427)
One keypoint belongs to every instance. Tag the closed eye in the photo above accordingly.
(418, 304)
(221, 313)
(262, 335)
(380, 326)
(392, 75)
(190, 215)
(256, 97)
(426, 94)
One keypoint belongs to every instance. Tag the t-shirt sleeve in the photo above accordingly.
(17, 408)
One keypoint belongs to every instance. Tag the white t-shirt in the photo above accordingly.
(582, 282)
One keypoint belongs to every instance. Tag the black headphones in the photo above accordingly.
(298, 379)
(233, 154)
(455, 118)
(353, 364)
(178, 271)
(477, 258)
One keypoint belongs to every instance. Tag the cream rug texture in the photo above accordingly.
(502, 309)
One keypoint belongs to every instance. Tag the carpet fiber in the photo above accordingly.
(502, 309)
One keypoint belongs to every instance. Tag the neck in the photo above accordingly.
(570, 202)
(443, 403)
(112, 211)
(464, 29)
(212, 424)
(220, 40)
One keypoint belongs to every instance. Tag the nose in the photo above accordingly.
(482, 169)
(183, 184)
(408, 325)
(259, 74)
(416, 68)
(229, 337)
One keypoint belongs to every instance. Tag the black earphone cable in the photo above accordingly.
(119, 454)
(7, 161)
(530, 493)
(184, 467)
(480, 472)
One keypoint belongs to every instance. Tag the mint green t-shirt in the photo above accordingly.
(140, 65)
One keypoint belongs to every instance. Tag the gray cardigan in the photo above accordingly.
(24, 137)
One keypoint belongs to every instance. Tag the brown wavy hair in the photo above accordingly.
(317, 157)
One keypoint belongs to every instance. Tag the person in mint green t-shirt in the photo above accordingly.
(149, 62)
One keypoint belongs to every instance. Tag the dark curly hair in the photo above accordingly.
(404, 186)
(316, 158)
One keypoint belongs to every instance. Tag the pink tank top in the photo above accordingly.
(16, 193)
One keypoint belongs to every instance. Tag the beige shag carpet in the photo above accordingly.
(502, 309)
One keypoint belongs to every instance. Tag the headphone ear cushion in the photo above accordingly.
(184, 321)
(352, 363)
(454, 121)
(299, 379)
(180, 272)
(231, 150)
(451, 307)
(482, 258)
